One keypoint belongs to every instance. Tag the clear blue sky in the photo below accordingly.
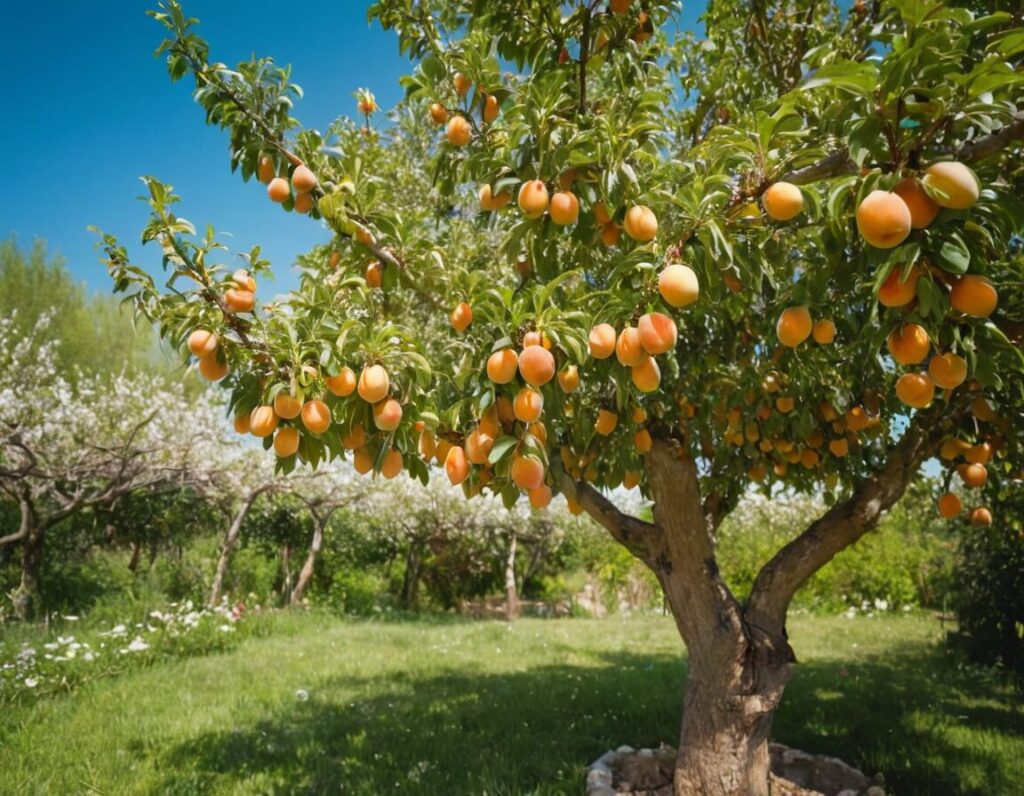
(88, 109)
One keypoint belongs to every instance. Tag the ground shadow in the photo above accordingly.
(531, 732)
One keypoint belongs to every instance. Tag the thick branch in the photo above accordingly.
(840, 526)
(981, 148)
(830, 166)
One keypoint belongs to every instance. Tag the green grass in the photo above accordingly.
(453, 707)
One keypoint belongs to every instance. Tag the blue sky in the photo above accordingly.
(88, 109)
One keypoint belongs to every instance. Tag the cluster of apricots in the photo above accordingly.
(973, 472)
(459, 127)
(303, 181)
(204, 344)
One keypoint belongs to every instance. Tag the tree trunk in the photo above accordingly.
(26, 597)
(511, 594)
(306, 573)
(228, 546)
(411, 579)
(286, 567)
(133, 563)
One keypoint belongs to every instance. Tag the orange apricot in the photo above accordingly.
(678, 285)
(564, 208)
(278, 190)
(950, 505)
(242, 424)
(824, 331)
(915, 389)
(839, 447)
(303, 202)
(883, 219)
(202, 343)
(239, 300)
(286, 441)
(856, 418)
(478, 446)
(502, 366)
(979, 454)
(629, 350)
(952, 185)
(373, 384)
(647, 375)
(303, 179)
(981, 516)
(610, 234)
(606, 422)
(908, 344)
(569, 379)
(461, 83)
(782, 201)
(642, 441)
(355, 439)
(533, 198)
(539, 496)
(265, 169)
(286, 406)
(641, 224)
(528, 405)
(462, 316)
(948, 370)
(601, 341)
(456, 465)
(974, 475)
(922, 207)
(212, 368)
(537, 365)
(374, 275)
(794, 326)
(974, 295)
(342, 385)
(426, 445)
(438, 114)
(316, 417)
(362, 460)
(489, 202)
(387, 414)
(491, 109)
(527, 472)
(658, 333)
(262, 421)
(392, 464)
(458, 131)
(897, 291)
(785, 404)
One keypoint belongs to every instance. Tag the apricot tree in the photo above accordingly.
(586, 252)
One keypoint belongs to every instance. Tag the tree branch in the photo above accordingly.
(830, 166)
(981, 148)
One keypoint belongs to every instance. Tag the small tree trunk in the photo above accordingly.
(511, 594)
(411, 579)
(227, 546)
(26, 597)
(133, 563)
(286, 567)
(306, 573)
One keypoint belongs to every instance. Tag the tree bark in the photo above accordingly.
(306, 573)
(286, 568)
(26, 597)
(227, 546)
(133, 562)
(411, 579)
(511, 594)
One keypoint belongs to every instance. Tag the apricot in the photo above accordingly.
(564, 208)
(286, 441)
(569, 379)
(678, 285)
(241, 424)
(974, 295)
(575, 509)
(426, 444)
(983, 410)
(362, 460)
(456, 465)
(974, 475)
(642, 441)
(915, 389)
(489, 202)
(202, 343)
(505, 410)
(922, 207)
(620, 6)
(630, 479)
(316, 417)
(303, 179)
(387, 414)
(896, 291)
(502, 366)
(952, 185)
(244, 280)
(478, 446)
(606, 422)
(952, 448)
(265, 169)
(950, 505)
(908, 344)
(794, 326)
(373, 384)
(601, 214)
(528, 405)
(527, 472)
(533, 198)
(629, 350)
(809, 458)
(537, 365)
(785, 404)
(883, 219)
(278, 190)
(355, 439)
(823, 332)
(641, 224)
(601, 341)
(392, 464)
(438, 113)
(462, 316)
(458, 131)
(610, 234)
(979, 454)
(658, 333)
(374, 275)
(365, 237)
(239, 300)
(540, 496)
(981, 516)
(782, 201)
(262, 421)
(857, 419)
(538, 431)
(647, 375)
(839, 447)
(212, 368)
(286, 406)
(491, 109)
(342, 385)
(461, 83)
(948, 370)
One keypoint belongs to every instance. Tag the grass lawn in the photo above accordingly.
(442, 706)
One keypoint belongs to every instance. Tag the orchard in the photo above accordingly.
(589, 251)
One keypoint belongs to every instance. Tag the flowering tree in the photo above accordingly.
(781, 254)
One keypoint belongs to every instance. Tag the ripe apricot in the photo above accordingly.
(601, 214)
(908, 344)
(533, 198)
(278, 190)
(355, 438)
(610, 234)
(782, 201)
(620, 6)
(564, 208)
(262, 421)
(678, 285)
(362, 460)
(316, 417)
(241, 424)
(839, 447)
(461, 83)
(244, 280)
(392, 464)
(202, 343)
(606, 422)
(239, 300)
(458, 131)
(785, 404)
(948, 370)
(981, 516)
(601, 341)
(456, 465)
(950, 505)
(952, 448)
(658, 333)
(537, 365)
(426, 444)
(342, 385)
(824, 331)
(528, 405)
(462, 316)
(915, 389)
(979, 454)
(478, 446)
(303, 179)
(922, 207)
(952, 185)
(505, 410)
(575, 509)
(438, 114)
(647, 375)
(809, 458)
(491, 202)
(642, 441)
(502, 366)
(212, 368)
(883, 219)
(527, 472)
(974, 475)
(491, 109)
(569, 379)
(374, 275)
(641, 224)
(286, 406)
(373, 384)
(265, 169)
(286, 441)
(387, 414)
(540, 496)
(303, 202)
(794, 326)
(897, 291)
(629, 350)
(630, 479)
(974, 295)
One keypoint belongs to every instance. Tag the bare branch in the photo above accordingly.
(981, 148)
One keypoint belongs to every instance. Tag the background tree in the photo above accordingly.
(811, 289)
